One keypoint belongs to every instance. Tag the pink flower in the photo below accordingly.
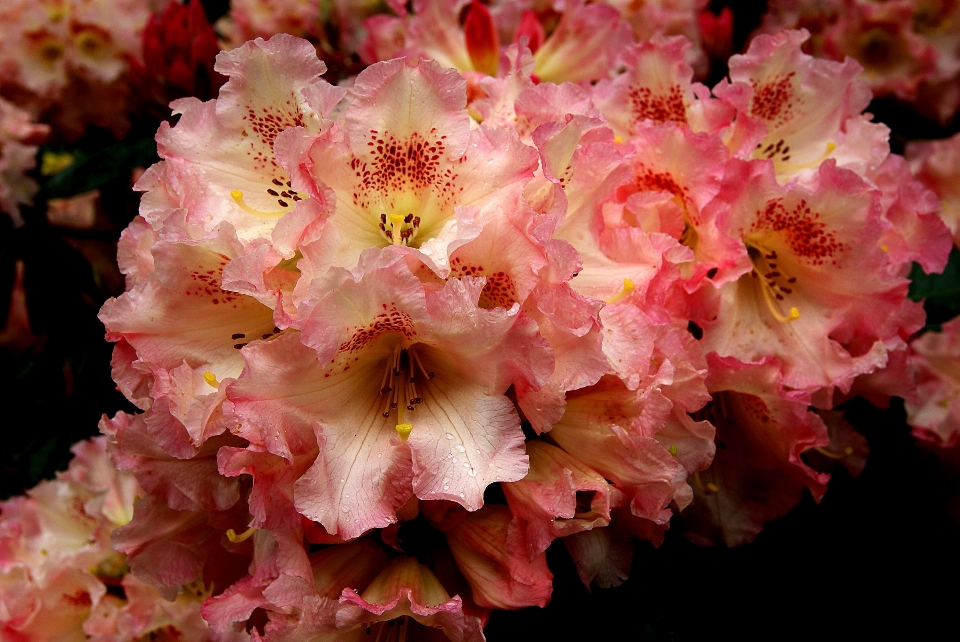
(937, 165)
(935, 416)
(757, 474)
(400, 387)
(18, 154)
(802, 296)
(406, 171)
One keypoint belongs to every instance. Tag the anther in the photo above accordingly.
(707, 489)
(211, 379)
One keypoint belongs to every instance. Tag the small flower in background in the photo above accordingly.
(67, 59)
(179, 47)
(59, 577)
(19, 140)
(907, 47)
(936, 164)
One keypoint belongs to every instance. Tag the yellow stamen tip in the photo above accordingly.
(831, 146)
(794, 314)
(396, 219)
(713, 488)
(848, 451)
(673, 450)
(404, 431)
(623, 293)
(236, 195)
(617, 139)
(236, 539)
(211, 379)
(884, 248)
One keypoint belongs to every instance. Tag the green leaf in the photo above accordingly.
(40, 459)
(91, 171)
(940, 293)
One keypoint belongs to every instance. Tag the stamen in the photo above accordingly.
(764, 270)
(211, 379)
(428, 375)
(236, 539)
(793, 315)
(784, 165)
(672, 450)
(832, 455)
(403, 228)
(623, 293)
(709, 489)
(237, 196)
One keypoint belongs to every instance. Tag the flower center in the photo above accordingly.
(50, 50)
(398, 386)
(399, 229)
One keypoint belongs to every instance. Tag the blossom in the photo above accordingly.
(179, 47)
(933, 358)
(757, 473)
(424, 373)
(56, 562)
(936, 164)
(19, 138)
(905, 47)
(802, 296)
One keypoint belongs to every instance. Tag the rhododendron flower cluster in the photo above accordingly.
(59, 577)
(69, 56)
(936, 164)
(353, 313)
(908, 48)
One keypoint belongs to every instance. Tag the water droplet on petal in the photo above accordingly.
(345, 509)
(460, 448)
(446, 487)
(461, 495)
(466, 464)
(472, 472)
(448, 436)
